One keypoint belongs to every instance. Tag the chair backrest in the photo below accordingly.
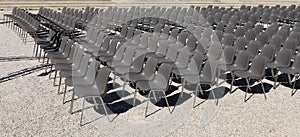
(258, 66)
(119, 53)
(191, 42)
(150, 66)
(276, 41)
(268, 51)
(183, 57)
(196, 62)
(284, 57)
(163, 47)
(242, 60)
(163, 74)
(83, 65)
(228, 39)
(291, 44)
(92, 69)
(240, 43)
(138, 62)
(182, 37)
(228, 54)
(173, 35)
(253, 48)
(296, 64)
(173, 51)
(262, 37)
(209, 71)
(102, 79)
(214, 50)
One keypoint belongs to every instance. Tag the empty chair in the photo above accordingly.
(250, 35)
(240, 64)
(206, 77)
(291, 44)
(256, 71)
(293, 70)
(160, 83)
(97, 90)
(268, 51)
(253, 48)
(276, 41)
(146, 74)
(282, 60)
(240, 43)
(262, 37)
(214, 50)
(228, 39)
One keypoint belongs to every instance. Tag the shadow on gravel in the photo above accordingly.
(8, 59)
(23, 72)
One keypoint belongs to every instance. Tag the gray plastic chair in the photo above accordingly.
(240, 64)
(268, 51)
(282, 60)
(256, 71)
(151, 47)
(240, 43)
(97, 90)
(291, 44)
(193, 68)
(171, 54)
(276, 41)
(253, 48)
(215, 50)
(293, 70)
(228, 39)
(160, 83)
(262, 37)
(147, 72)
(206, 77)
(161, 49)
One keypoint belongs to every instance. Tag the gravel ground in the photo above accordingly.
(30, 106)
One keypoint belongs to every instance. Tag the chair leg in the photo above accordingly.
(72, 103)
(276, 77)
(103, 104)
(248, 87)
(59, 84)
(134, 97)
(232, 81)
(124, 84)
(65, 91)
(196, 95)
(114, 80)
(214, 96)
(82, 111)
(55, 74)
(167, 102)
(294, 84)
(95, 102)
(149, 96)
(262, 85)
(182, 88)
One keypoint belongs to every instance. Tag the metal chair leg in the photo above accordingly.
(167, 102)
(196, 95)
(262, 85)
(59, 84)
(82, 111)
(103, 104)
(72, 103)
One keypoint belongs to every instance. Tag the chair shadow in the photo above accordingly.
(257, 89)
(117, 107)
(8, 59)
(23, 72)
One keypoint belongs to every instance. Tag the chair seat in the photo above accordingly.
(87, 90)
